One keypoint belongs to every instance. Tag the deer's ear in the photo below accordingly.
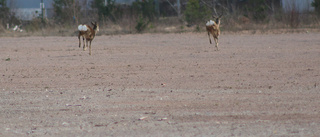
(93, 23)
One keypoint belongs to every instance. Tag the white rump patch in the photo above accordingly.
(82, 28)
(210, 22)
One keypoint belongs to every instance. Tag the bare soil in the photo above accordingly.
(161, 85)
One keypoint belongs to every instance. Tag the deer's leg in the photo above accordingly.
(209, 37)
(217, 42)
(90, 48)
(83, 40)
(85, 46)
(79, 40)
(84, 43)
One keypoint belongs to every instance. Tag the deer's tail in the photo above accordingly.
(210, 23)
(82, 27)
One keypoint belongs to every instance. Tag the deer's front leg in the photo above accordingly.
(217, 42)
(90, 48)
(209, 38)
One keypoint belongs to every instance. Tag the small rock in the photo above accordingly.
(161, 119)
(142, 118)
(65, 124)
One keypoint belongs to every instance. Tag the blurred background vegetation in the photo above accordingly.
(164, 16)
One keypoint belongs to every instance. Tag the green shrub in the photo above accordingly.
(66, 11)
(111, 11)
(316, 5)
(145, 8)
(195, 13)
(257, 10)
(4, 12)
(145, 12)
(141, 24)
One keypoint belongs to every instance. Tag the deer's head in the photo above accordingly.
(217, 19)
(95, 26)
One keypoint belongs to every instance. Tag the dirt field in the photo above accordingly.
(161, 85)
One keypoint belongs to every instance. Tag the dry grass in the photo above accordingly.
(290, 23)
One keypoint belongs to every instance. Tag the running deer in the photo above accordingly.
(213, 28)
(87, 34)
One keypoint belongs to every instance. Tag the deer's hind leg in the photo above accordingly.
(85, 46)
(209, 37)
(79, 40)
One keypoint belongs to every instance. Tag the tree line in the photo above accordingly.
(142, 12)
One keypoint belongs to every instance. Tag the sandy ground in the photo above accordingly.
(161, 85)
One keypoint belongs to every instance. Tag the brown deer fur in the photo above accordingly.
(214, 30)
(88, 35)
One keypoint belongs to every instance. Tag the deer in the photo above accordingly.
(87, 33)
(213, 28)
